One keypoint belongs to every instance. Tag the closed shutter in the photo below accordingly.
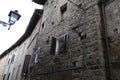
(26, 65)
(53, 46)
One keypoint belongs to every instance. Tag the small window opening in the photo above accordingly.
(42, 25)
(63, 10)
(54, 6)
(52, 23)
(82, 35)
(8, 61)
(12, 60)
(115, 30)
(4, 76)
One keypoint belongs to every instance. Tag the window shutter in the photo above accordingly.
(4, 77)
(26, 64)
(13, 57)
(53, 46)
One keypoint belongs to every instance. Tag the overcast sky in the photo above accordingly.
(26, 9)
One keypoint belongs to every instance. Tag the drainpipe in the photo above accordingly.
(105, 41)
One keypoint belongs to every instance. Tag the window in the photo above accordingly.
(82, 35)
(59, 45)
(4, 77)
(63, 10)
(8, 61)
(26, 65)
(12, 60)
(8, 76)
(42, 25)
(53, 46)
(35, 56)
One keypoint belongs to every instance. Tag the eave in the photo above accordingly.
(41, 2)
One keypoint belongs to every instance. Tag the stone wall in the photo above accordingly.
(84, 58)
(3, 63)
(113, 28)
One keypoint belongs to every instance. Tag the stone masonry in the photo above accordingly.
(84, 55)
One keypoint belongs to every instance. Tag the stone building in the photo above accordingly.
(3, 62)
(78, 40)
(14, 62)
(70, 40)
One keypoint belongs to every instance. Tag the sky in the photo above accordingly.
(25, 9)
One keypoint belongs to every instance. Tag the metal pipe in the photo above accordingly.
(105, 42)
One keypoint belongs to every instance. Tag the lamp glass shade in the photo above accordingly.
(13, 17)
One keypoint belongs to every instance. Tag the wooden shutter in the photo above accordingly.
(26, 64)
(53, 46)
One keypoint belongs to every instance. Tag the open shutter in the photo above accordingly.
(26, 65)
(53, 46)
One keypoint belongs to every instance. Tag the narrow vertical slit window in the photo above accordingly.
(42, 25)
(8, 76)
(4, 77)
(63, 10)
(82, 35)
(12, 60)
(53, 46)
(26, 65)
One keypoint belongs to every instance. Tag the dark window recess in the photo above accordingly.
(74, 64)
(12, 60)
(48, 40)
(8, 76)
(115, 30)
(82, 35)
(54, 6)
(53, 46)
(52, 23)
(26, 65)
(63, 10)
(4, 77)
(8, 61)
(42, 25)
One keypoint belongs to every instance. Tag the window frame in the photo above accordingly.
(57, 50)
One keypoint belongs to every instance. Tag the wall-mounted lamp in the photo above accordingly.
(13, 17)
